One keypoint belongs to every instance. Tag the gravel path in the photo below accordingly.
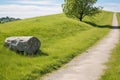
(89, 65)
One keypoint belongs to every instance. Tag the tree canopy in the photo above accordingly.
(80, 8)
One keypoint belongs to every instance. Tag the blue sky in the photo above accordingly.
(110, 5)
(32, 8)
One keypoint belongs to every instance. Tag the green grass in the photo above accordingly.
(62, 39)
(118, 16)
(113, 70)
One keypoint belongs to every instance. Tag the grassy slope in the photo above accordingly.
(62, 39)
(113, 71)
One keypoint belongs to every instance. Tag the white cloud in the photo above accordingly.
(18, 8)
(45, 2)
(25, 11)
(115, 7)
(34, 2)
(29, 8)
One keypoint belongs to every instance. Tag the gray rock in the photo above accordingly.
(27, 44)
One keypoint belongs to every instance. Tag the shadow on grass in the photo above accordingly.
(37, 54)
(102, 26)
(41, 53)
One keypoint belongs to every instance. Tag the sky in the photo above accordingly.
(33, 8)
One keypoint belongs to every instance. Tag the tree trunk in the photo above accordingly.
(81, 16)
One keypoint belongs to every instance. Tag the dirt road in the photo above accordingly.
(89, 65)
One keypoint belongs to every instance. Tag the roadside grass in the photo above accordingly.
(118, 16)
(113, 70)
(62, 39)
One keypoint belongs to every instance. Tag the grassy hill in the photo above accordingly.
(113, 71)
(62, 39)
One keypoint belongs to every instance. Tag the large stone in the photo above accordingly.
(26, 44)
